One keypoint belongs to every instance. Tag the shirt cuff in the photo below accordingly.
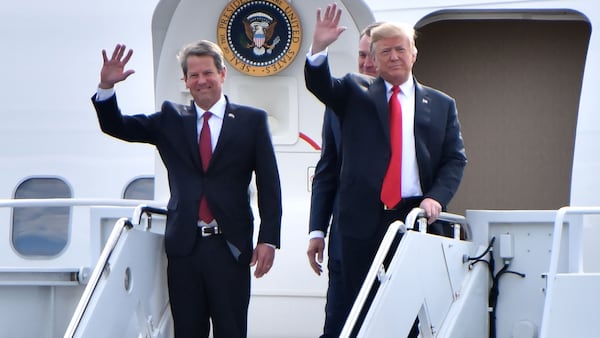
(104, 94)
(316, 234)
(316, 59)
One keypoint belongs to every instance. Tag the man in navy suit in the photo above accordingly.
(322, 207)
(433, 156)
(211, 148)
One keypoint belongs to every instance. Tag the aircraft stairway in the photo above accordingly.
(452, 285)
(449, 284)
(128, 284)
(430, 277)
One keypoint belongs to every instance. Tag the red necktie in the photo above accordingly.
(391, 191)
(205, 154)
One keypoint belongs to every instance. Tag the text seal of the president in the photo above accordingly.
(259, 37)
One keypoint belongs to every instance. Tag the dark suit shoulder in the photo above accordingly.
(178, 108)
(359, 79)
(426, 90)
(234, 108)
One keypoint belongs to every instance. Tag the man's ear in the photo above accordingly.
(184, 79)
(223, 73)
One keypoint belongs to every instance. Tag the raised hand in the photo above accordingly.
(113, 68)
(327, 29)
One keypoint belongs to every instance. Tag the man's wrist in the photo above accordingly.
(106, 85)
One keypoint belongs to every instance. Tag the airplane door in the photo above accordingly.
(517, 79)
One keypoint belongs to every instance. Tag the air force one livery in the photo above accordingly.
(81, 213)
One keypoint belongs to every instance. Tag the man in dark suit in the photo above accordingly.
(322, 207)
(211, 148)
(432, 157)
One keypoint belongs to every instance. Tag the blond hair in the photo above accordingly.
(392, 30)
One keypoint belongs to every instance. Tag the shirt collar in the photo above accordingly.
(218, 109)
(407, 87)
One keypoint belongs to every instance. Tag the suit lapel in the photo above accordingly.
(228, 131)
(378, 93)
(422, 118)
(422, 109)
(190, 130)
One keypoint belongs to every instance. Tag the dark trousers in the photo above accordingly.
(336, 302)
(209, 285)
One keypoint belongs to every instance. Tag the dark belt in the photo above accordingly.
(405, 203)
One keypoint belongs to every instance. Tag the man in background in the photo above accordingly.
(323, 205)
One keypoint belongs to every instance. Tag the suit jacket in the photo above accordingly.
(244, 147)
(323, 204)
(326, 178)
(361, 103)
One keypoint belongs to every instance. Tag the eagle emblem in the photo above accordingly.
(259, 29)
(259, 37)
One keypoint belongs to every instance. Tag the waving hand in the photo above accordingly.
(327, 29)
(113, 68)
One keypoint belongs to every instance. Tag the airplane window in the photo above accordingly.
(41, 231)
(141, 188)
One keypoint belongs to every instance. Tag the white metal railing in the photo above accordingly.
(120, 227)
(68, 202)
(555, 256)
(557, 234)
(56, 276)
(44, 276)
(459, 223)
(373, 273)
(377, 269)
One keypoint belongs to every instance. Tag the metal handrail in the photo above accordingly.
(67, 202)
(120, 227)
(554, 257)
(82, 273)
(142, 210)
(417, 216)
(557, 235)
(373, 273)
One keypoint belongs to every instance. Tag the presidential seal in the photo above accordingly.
(259, 37)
